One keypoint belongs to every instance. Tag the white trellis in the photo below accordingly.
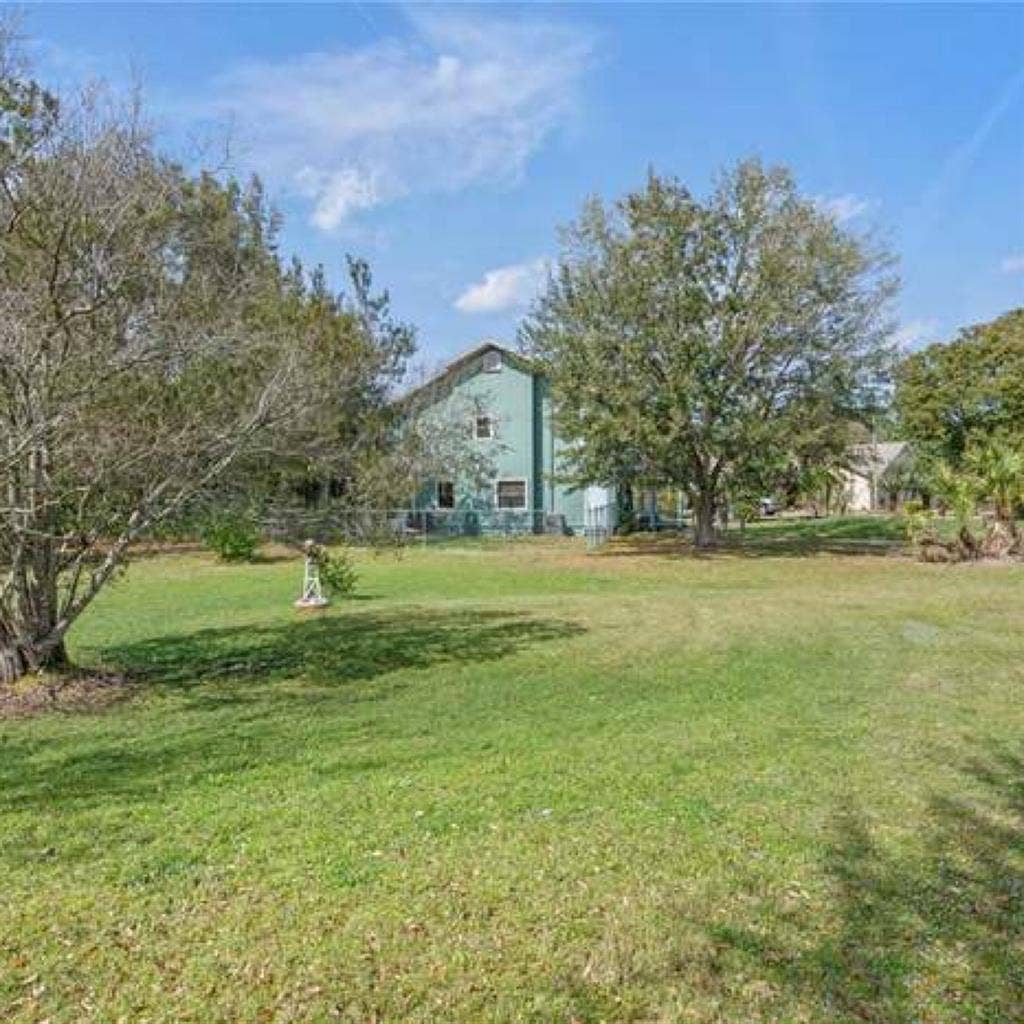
(312, 588)
(597, 525)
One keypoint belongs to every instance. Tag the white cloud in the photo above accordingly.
(462, 100)
(916, 332)
(1013, 264)
(845, 207)
(336, 196)
(504, 288)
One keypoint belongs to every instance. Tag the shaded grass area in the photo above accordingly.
(931, 935)
(517, 783)
(822, 532)
(332, 651)
(799, 537)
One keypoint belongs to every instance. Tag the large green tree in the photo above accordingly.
(710, 343)
(965, 392)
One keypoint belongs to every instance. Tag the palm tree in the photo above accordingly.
(821, 481)
(959, 492)
(999, 468)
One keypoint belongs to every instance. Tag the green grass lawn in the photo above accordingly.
(519, 783)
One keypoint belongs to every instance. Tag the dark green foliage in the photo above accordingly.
(970, 389)
(232, 535)
(907, 474)
(352, 352)
(989, 477)
(337, 570)
(717, 345)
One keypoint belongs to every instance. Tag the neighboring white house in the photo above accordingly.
(869, 464)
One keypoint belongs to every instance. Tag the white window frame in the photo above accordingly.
(492, 427)
(526, 494)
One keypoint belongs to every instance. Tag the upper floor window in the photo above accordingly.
(492, 361)
(484, 428)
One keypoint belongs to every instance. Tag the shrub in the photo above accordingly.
(747, 510)
(337, 573)
(916, 521)
(234, 536)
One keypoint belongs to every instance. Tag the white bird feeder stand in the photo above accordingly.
(312, 590)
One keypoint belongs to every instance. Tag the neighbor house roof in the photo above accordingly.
(877, 457)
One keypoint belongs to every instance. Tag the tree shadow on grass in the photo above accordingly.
(332, 650)
(251, 695)
(935, 934)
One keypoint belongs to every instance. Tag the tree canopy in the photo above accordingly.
(711, 344)
(970, 390)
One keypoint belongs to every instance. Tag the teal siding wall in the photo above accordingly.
(508, 397)
(525, 447)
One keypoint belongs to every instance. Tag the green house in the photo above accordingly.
(503, 402)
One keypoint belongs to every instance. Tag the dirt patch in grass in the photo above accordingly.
(70, 692)
(922, 682)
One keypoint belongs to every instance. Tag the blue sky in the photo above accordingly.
(447, 143)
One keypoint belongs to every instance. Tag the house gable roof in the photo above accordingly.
(878, 457)
(464, 360)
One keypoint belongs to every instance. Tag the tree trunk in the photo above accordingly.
(624, 500)
(18, 659)
(999, 541)
(12, 664)
(969, 548)
(56, 659)
(704, 535)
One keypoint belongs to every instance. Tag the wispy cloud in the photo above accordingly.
(915, 333)
(505, 288)
(961, 160)
(845, 207)
(462, 100)
(1013, 264)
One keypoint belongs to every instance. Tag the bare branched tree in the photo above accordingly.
(149, 341)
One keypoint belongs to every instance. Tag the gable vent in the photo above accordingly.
(492, 361)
